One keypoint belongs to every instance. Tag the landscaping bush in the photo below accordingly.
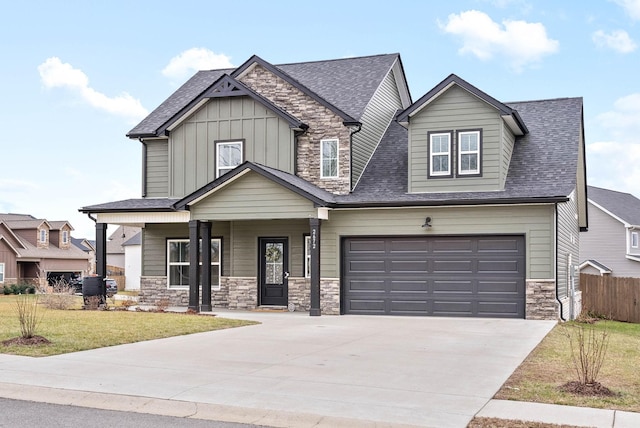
(19, 289)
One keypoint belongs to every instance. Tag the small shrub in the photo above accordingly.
(28, 315)
(19, 289)
(58, 295)
(588, 351)
(126, 304)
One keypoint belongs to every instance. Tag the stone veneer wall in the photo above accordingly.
(300, 295)
(153, 289)
(323, 124)
(243, 292)
(541, 303)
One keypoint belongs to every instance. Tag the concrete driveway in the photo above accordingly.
(294, 370)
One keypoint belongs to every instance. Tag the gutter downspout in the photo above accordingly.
(556, 236)
(144, 167)
(353, 132)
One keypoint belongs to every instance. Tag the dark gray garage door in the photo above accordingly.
(470, 276)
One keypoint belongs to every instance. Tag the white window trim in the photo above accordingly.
(213, 263)
(1, 273)
(307, 256)
(432, 154)
(227, 143)
(43, 236)
(476, 152)
(322, 157)
(634, 240)
(65, 236)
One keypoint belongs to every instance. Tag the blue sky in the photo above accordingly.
(77, 75)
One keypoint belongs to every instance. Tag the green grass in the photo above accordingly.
(549, 366)
(78, 330)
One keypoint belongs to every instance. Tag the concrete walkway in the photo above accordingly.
(296, 370)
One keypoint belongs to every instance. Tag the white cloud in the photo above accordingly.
(188, 62)
(623, 122)
(521, 43)
(56, 74)
(617, 40)
(632, 7)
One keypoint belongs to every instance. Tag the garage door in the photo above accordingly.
(469, 276)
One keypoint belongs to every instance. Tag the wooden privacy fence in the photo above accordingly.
(612, 297)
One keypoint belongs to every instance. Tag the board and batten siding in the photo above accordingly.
(268, 140)
(157, 179)
(376, 118)
(456, 110)
(568, 243)
(154, 245)
(252, 197)
(535, 222)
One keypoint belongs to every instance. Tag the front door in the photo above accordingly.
(273, 271)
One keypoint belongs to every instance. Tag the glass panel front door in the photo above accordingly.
(273, 271)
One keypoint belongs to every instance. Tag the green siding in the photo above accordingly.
(536, 222)
(240, 257)
(376, 118)
(568, 242)
(157, 168)
(253, 197)
(455, 110)
(268, 140)
(508, 141)
(154, 245)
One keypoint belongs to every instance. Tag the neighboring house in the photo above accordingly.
(321, 187)
(36, 250)
(115, 247)
(611, 246)
(132, 262)
(89, 247)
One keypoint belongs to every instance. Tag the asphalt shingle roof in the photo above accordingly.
(347, 83)
(543, 165)
(153, 204)
(623, 205)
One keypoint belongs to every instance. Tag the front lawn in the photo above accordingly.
(78, 330)
(549, 366)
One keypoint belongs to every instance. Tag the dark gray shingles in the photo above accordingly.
(543, 165)
(176, 101)
(152, 204)
(623, 205)
(347, 83)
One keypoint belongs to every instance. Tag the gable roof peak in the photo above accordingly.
(511, 116)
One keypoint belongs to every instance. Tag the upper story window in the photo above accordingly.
(65, 237)
(329, 158)
(469, 152)
(43, 236)
(178, 263)
(229, 154)
(440, 154)
(634, 240)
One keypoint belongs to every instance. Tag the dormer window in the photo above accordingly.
(65, 237)
(229, 155)
(329, 158)
(469, 152)
(43, 236)
(440, 154)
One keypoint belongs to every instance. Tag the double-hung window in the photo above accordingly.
(178, 263)
(440, 154)
(43, 236)
(634, 240)
(329, 158)
(1, 272)
(229, 154)
(65, 237)
(468, 152)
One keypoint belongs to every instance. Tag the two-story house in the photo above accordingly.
(321, 187)
(612, 244)
(35, 250)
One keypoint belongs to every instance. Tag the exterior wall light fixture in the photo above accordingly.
(427, 223)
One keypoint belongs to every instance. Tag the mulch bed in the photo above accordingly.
(28, 341)
(509, 423)
(595, 389)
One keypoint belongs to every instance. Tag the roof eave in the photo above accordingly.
(450, 202)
